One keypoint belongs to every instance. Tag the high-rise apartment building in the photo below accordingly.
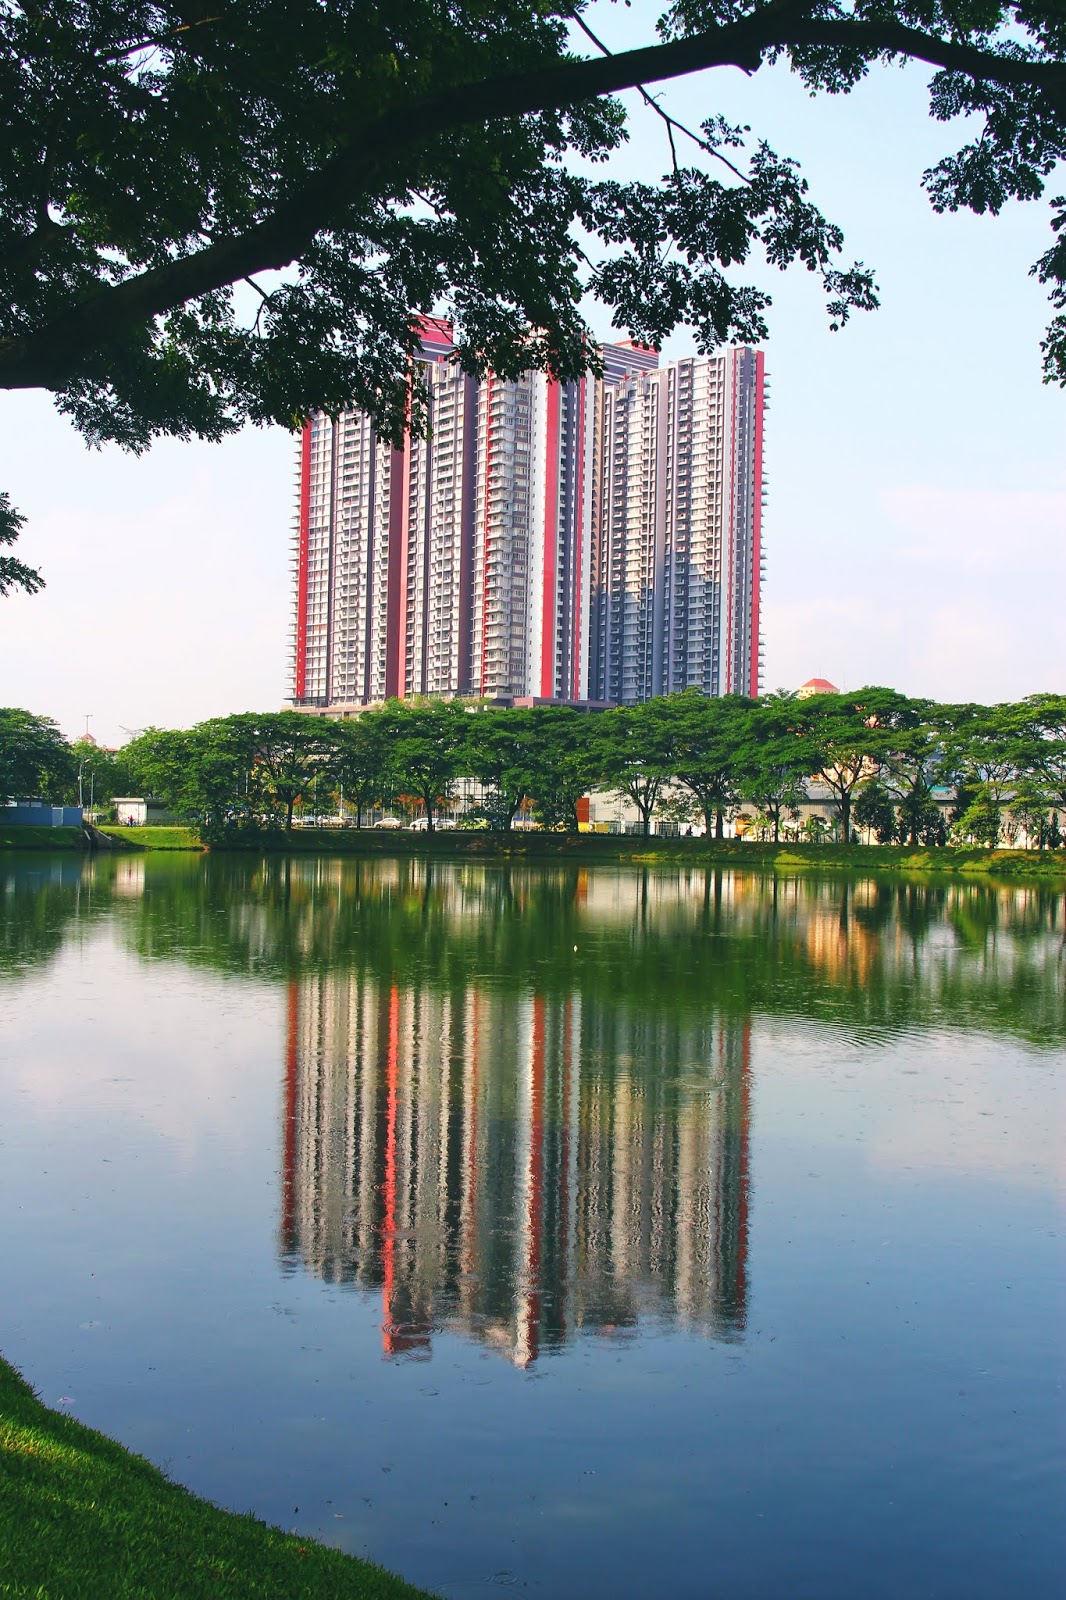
(599, 539)
(678, 554)
(531, 562)
(383, 549)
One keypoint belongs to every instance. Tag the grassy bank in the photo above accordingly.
(125, 839)
(41, 839)
(83, 1519)
(587, 848)
(609, 848)
(153, 838)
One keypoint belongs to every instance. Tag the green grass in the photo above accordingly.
(74, 839)
(600, 847)
(83, 1519)
(153, 838)
(585, 847)
(41, 839)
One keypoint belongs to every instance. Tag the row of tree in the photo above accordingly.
(878, 757)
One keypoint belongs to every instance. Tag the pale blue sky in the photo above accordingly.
(916, 521)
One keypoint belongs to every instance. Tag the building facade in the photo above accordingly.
(679, 549)
(595, 540)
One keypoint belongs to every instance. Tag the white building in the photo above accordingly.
(679, 560)
(600, 539)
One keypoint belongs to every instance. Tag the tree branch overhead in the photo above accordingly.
(309, 143)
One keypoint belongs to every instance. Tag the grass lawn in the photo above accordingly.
(587, 848)
(83, 1519)
(153, 838)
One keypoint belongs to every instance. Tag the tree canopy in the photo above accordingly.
(14, 574)
(35, 759)
(163, 163)
(873, 757)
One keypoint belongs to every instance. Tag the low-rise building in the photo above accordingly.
(140, 811)
(39, 814)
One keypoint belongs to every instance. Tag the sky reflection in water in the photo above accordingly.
(755, 1187)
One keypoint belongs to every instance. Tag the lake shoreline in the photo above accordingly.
(78, 1508)
(585, 849)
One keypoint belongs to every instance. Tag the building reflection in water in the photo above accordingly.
(506, 1136)
(518, 1168)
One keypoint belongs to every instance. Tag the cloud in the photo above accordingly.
(951, 592)
(980, 533)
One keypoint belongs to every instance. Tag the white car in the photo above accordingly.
(389, 822)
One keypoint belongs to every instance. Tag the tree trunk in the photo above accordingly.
(289, 812)
(777, 826)
(845, 819)
(719, 823)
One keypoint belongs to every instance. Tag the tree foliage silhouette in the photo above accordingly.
(162, 163)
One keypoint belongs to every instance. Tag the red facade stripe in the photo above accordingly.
(551, 536)
(580, 621)
(302, 563)
(392, 576)
(756, 547)
(405, 557)
(732, 676)
(485, 537)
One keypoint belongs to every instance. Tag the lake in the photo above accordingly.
(607, 1231)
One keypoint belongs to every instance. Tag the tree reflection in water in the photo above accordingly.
(862, 952)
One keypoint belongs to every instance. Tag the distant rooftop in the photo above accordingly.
(816, 686)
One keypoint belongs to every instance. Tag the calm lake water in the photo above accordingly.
(590, 1232)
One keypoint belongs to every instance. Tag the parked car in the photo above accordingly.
(389, 822)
